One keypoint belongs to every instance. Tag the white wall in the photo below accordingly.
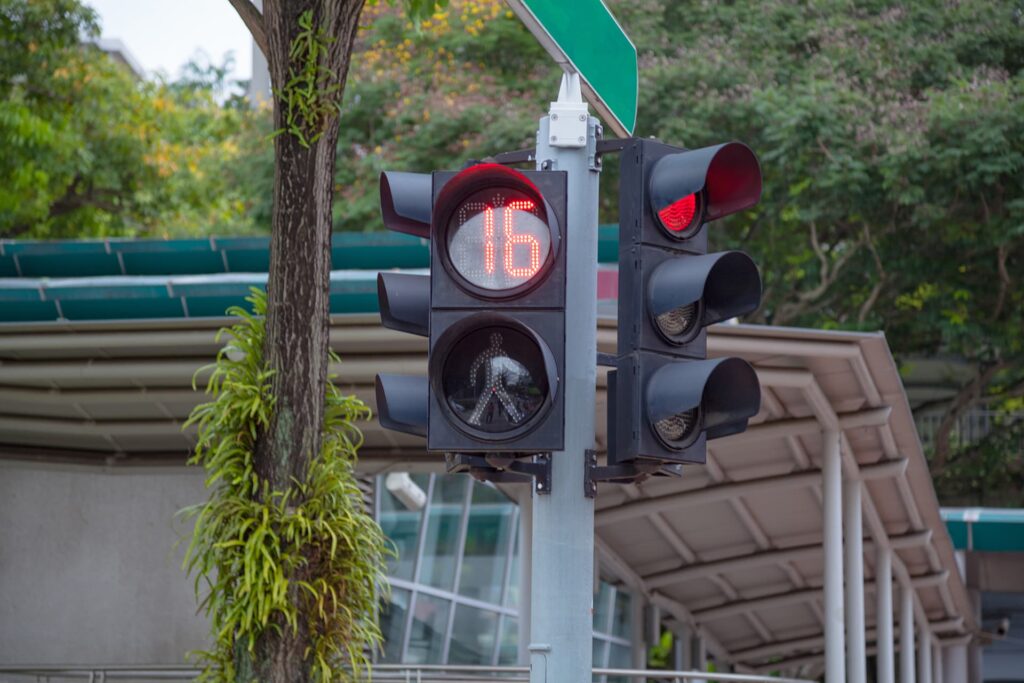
(88, 569)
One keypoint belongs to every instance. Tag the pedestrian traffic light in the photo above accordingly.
(668, 400)
(495, 314)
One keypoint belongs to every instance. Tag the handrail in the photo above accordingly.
(408, 673)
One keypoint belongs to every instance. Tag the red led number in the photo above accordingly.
(511, 240)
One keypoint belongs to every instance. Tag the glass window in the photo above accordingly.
(441, 541)
(600, 653)
(512, 597)
(619, 657)
(508, 654)
(426, 639)
(402, 526)
(392, 624)
(488, 534)
(622, 616)
(603, 607)
(474, 635)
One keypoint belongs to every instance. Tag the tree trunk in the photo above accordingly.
(298, 303)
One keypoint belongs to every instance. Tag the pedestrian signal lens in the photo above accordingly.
(494, 379)
(497, 239)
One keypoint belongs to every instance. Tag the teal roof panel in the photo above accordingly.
(986, 529)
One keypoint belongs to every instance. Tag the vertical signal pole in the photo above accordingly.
(562, 546)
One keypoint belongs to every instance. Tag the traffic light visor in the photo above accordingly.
(717, 397)
(405, 201)
(727, 177)
(402, 403)
(685, 295)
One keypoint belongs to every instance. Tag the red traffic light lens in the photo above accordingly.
(679, 216)
(495, 379)
(498, 239)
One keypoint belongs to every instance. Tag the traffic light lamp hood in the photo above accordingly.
(726, 284)
(724, 393)
(402, 403)
(405, 202)
(728, 175)
(404, 301)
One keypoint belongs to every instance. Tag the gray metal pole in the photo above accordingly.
(561, 600)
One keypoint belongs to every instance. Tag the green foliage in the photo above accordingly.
(659, 655)
(461, 83)
(92, 151)
(270, 558)
(310, 98)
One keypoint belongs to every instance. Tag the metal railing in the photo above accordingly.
(970, 428)
(406, 673)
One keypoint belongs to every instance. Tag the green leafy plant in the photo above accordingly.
(312, 95)
(267, 557)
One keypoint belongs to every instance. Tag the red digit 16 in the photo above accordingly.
(511, 239)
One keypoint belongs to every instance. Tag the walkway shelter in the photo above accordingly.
(809, 543)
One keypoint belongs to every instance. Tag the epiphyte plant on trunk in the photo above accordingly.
(302, 567)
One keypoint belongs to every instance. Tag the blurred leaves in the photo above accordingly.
(91, 150)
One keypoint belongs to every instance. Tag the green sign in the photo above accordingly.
(584, 37)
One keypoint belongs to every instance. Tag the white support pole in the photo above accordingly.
(831, 487)
(906, 633)
(886, 670)
(698, 656)
(856, 658)
(954, 665)
(938, 671)
(924, 655)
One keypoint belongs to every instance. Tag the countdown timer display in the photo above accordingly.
(498, 239)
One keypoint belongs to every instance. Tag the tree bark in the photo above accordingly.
(298, 288)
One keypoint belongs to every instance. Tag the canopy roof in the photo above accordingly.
(733, 549)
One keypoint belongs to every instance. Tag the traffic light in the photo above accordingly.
(668, 400)
(495, 313)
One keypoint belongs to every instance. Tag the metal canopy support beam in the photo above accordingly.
(712, 494)
(885, 660)
(906, 633)
(790, 597)
(856, 660)
(831, 485)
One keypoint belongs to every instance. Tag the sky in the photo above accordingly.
(162, 35)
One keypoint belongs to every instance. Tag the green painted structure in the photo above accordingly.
(986, 529)
(116, 279)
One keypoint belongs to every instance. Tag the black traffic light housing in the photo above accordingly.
(493, 309)
(670, 290)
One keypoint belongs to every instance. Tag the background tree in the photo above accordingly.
(891, 137)
(91, 150)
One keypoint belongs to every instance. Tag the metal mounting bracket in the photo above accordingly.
(507, 468)
(623, 473)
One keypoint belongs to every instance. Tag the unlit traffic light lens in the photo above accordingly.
(498, 240)
(679, 322)
(677, 429)
(495, 380)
